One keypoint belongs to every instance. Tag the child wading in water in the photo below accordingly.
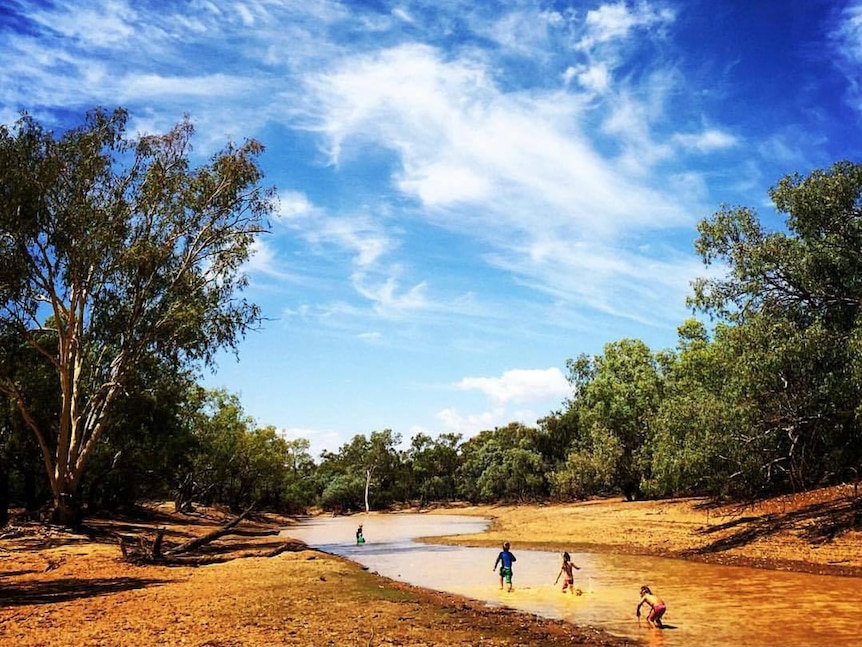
(505, 559)
(567, 568)
(656, 604)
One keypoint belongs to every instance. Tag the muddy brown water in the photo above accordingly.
(708, 605)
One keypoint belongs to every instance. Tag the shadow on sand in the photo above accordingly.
(817, 523)
(25, 593)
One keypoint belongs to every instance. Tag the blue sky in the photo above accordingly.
(470, 192)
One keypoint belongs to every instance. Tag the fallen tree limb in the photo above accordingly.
(254, 533)
(150, 550)
(205, 560)
(197, 542)
(292, 546)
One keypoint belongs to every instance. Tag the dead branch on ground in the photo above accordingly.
(151, 551)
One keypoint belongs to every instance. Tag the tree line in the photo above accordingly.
(121, 276)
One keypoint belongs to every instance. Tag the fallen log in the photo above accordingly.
(151, 550)
(205, 560)
(293, 546)
(197, 542)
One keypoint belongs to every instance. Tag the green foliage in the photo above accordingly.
(343, 492)
(123, 252)
(502, 465)
(149, 442)
(432, 466)
(558, 432)
(591, 469)
(119, 275)
(299, 486)
(235, 463)
(22, 472)
(794, 299)
(695, 450)
(616, 395)
(373, 461)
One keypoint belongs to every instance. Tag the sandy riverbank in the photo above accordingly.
(61, 588)
(816, 532)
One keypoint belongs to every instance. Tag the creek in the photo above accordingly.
(708, 605)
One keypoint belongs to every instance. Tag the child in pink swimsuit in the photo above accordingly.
(569, 581)
(656, 604)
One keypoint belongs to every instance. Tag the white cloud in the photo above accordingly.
(846, 40)
(847, 35)
(364, 240)
(245, 14)
(318, 439)
(616, 21)
(461, 139)
(294, 205)
(519, 385)
(107, 24)
(361, 236)
(388, 299)
(444, 183)
(367, 243)
(403, 14)
(265, 261)
(455, 422)
(523, 32)
(707, 141)
(514, 170)
(593, 78)
(154, 85)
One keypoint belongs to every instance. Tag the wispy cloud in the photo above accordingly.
(512, 169)
(846, 37)
(706, 141)
(616, 21)
(847, 33)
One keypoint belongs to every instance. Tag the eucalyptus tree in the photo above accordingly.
(300, 488)
(122, 249)
(616, 396)
(262, 469)
(360, 465)
(695, 431)
(503, 464)
(434, 463)
(808, 268)
(381, 464)
(795, 294)
(558, 432)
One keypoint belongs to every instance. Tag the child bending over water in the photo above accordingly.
(656, 604)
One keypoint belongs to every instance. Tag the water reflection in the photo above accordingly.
(708, 605)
